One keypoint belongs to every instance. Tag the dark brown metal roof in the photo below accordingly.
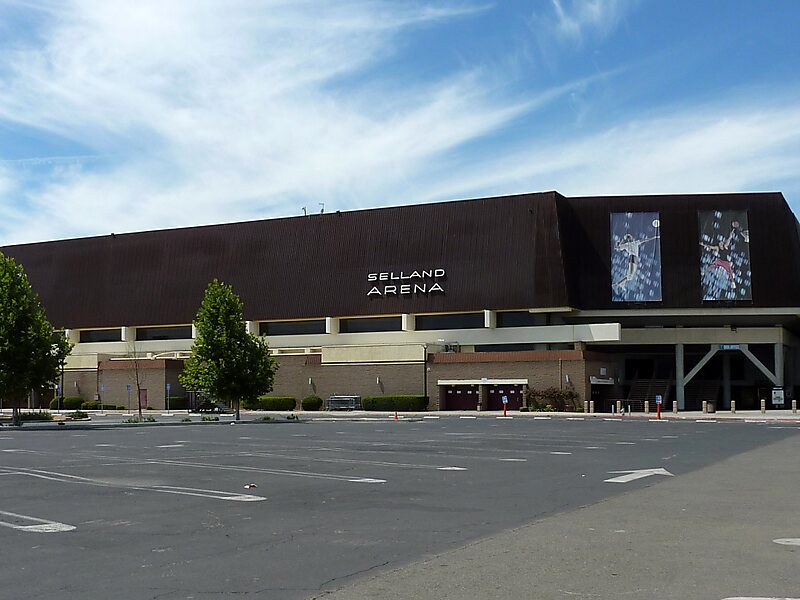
(514, 252)
(497, 253)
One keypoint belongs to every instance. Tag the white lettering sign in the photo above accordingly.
(408, 283)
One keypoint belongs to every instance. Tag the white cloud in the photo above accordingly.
(573, 20)
(720, 148)
(190, 112)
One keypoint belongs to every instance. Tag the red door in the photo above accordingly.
(512, 392)
(461, 397)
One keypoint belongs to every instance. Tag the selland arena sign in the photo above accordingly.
(406, 283)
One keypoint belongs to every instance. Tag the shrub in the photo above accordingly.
(91, 405)
(35, 416)
(79, 414)
(208, 418)
(143, 420)
(311, 403)
(186, 420)
(270, 403)
(392, 403)
(551, 399)
(178, 403)
(121, 407)
(72, 403)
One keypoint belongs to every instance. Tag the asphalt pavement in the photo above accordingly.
(309, 509)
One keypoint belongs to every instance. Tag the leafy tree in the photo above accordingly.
(31, 352)
(227, 362)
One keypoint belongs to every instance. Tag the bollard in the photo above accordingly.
(591, 406)
(705, 406)
(585, 406)
(733, 406)
(794, 407)
(619, 406)
(646, 406)
(675, 407)
(763, 406)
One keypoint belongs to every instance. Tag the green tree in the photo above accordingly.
(31, 352)
(227, 361)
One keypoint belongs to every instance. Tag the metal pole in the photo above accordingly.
(61, 391)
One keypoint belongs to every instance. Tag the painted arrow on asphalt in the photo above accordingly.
(634, 475)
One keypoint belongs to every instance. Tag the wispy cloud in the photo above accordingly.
(722, 147)
(195, 111)
(573, 20)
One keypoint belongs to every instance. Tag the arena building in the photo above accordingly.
(689, 297)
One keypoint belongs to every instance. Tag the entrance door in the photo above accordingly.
(512, 392)
(461, 397)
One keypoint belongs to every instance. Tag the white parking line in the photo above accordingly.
(451, 469)
(467, 417)
(706, 421)
(788, 541)
(38, 526)
(164, 489)
(215, 494)
(504, 417)
(514, 459)
(541, 418)
(561, 453)
(171, 446)
(625, 443)
(430, 417)
(575, 418)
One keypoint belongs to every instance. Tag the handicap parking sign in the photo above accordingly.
(658, 399)
(505, 399)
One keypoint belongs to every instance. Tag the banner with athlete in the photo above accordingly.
(725, 255)
(635, 257)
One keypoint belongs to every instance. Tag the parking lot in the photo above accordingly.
(295, 510)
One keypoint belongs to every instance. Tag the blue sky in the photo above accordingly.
(124, 116)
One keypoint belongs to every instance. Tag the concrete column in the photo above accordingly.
(408, 322)
(779, 364)
(489, 319)
(679, 377)
(726, 380)
(331, 325)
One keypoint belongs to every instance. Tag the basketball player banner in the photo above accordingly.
(725, 255)
(635, 257)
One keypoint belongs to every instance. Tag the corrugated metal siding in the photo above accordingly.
(498, 253)
(774, 247)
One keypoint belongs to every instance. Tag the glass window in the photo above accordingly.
(314, 326)
(461, 321)
(365, 325)
(179, 332)
(521, 318)
(100, 335)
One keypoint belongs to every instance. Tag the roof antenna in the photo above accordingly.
(304, 212)
(322, 210)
